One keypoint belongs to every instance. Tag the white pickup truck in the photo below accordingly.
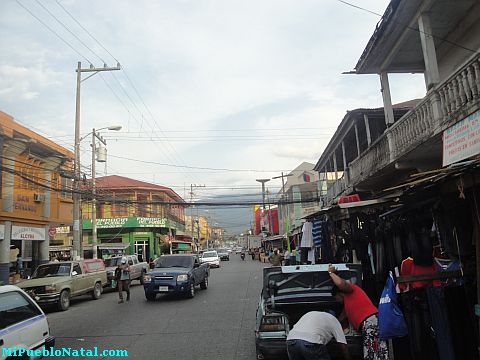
(137, 269)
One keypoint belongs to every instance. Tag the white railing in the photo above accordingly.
(444, 105)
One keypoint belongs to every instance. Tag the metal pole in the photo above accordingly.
(94, 198)
(77, 243)
(287, 213)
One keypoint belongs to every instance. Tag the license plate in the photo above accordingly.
(163, 288)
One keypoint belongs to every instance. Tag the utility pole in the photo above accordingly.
(77, 241)
(191, 212)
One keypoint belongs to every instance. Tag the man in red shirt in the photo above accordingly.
(362, 314)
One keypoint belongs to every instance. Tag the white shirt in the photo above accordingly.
(317, 327)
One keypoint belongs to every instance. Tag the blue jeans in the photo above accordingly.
(304, 350)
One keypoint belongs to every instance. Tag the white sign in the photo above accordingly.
(462, 140)
(28, 233)
(2, 232)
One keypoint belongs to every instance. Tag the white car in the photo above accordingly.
(210, 257)
(23, 325)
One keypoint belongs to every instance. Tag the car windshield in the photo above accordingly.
(209, 254)
(223, 251)
(113, 262)
(174, 261)
(52, 270)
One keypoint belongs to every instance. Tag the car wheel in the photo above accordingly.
(204, 284)
(64, 301)
(150, 296)
(141, 278)
(97, 291)
(191, 293)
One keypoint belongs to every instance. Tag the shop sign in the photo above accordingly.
(52, 231)
(462, 140)
(28, 233)
(130, 222)
(62, 229)
(2, 232)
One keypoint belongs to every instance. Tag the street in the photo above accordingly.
(218, 323)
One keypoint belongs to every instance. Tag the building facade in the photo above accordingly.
(35, 198)
(133, 217)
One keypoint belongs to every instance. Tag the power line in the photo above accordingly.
(193, 167)
(71, 32)
(53, 31)
(410, 28)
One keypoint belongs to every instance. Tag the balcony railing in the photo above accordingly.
(447, 103)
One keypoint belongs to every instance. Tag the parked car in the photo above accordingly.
(23, 324)
(137, 269)
(56, 283)
(288, 293)
(176, 274)
(211, 258)
(223, 254)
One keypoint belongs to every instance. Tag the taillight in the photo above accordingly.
(273, 323)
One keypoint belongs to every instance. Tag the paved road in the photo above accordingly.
(217, 323)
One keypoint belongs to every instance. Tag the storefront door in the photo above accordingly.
(142, 250)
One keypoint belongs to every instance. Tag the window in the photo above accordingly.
(76, 267)
(66, 186)
(14, 308)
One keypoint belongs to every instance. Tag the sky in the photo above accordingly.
(215, 93)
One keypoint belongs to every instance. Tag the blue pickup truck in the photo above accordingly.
(176, 274)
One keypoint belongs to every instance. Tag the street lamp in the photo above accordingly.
(263, 181)
(94, 191)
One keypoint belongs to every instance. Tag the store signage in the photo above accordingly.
(462, 140)
(52, 231)
(2, 232)
(28, 233)
(130, 222)
(62, 229)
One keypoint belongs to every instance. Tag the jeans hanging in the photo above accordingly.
(440, 322)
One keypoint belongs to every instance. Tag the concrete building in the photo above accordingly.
(132, 217)
(35, 198)
(302, 185)
(441, 41)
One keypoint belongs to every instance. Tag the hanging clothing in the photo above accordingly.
(307, 236)
(408, 267)
(440, 323)
(311, 256)
(318, 231)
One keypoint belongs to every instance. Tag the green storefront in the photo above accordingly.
(130, 235)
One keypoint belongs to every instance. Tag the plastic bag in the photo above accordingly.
(114, 283)
(391, 322)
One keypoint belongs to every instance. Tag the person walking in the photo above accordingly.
(123, 277)
(275, 259)
(310, 335)
(363, 316)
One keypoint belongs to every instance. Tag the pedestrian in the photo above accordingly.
(19, 264)
(122, 274)
(310, 335)
(275, 259)
(363, 316)
(286, 257)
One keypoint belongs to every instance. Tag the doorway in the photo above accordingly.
(142, 250)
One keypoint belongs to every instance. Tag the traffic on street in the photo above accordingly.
(217, 323)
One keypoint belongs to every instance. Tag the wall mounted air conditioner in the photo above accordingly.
(39, 197)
